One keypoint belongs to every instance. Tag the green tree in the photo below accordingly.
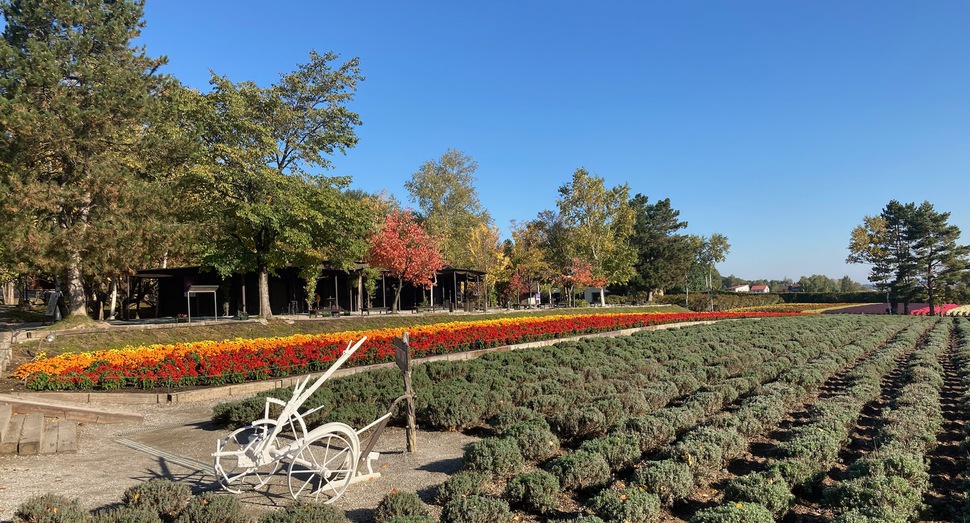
(713, 250)
(444, 191)
(661, 253)
(486, 254)
(818, 283)
(77, 102)
(937, 261)
(265, 209)
(599, 224)
(910, 249)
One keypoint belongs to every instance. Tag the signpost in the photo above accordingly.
(402, 356)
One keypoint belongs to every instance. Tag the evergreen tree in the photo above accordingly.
(77, 102)
(661, 253)
(911, 250)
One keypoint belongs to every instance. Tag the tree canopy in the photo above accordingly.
(911, 249)
(448, 205)
(78, 102)
(265, 209)
(599, 224)
(406, 251)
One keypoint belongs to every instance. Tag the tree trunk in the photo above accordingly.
(602, 297)
(74, 295)
(397, 295)
(114, 298)
(264, 309)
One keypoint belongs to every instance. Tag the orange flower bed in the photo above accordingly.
(234, 361)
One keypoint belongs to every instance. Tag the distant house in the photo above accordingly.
(740, 288)
(763, 289)
(795, 287)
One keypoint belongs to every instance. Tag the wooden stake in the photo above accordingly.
(402, 356)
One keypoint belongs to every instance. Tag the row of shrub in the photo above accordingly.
(458, 394)
(706, 450)
(961, 357)
(164, 501)
(598, 461)
(888, 484)
(813, 448)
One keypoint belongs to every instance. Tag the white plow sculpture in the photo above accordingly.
(322, 462)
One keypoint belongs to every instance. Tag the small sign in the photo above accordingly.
(402, 353)
(53, 313)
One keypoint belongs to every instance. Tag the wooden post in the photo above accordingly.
(402, 356)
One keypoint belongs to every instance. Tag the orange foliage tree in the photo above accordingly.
(403, 249)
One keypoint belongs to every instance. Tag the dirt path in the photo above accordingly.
(176, 441)
(947, 459)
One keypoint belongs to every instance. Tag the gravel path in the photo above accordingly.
(176, 441)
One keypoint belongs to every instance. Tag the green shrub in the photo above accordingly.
(734, 513)
(765, 488)
(411, 519)
(860, 516)
(889, 495)
(497, 457)
(240, 413)
(305, 513)
(395, 504)
(50, 508)
(505, 419)
(587, 519)
(670, 480)
(535, 490)
(535, 440)
(633, 505)
(215, 508)
(476, 509)
(619, 450)
(460, 485)
(581, 422)
(126, 515)
(166, 498)
(580, 470)
(451, 405)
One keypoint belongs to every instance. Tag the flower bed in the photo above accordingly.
(939, 310)
(235, 361)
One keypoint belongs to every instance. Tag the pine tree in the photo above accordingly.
(76, 101)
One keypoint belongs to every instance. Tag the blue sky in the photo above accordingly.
(777, 124)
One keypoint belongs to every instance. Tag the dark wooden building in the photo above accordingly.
(336, 290)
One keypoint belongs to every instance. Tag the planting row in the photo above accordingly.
(161, 500)
(815, 447)
(585, 412)
(218, 363)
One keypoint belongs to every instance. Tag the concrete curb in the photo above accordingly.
(247, 389)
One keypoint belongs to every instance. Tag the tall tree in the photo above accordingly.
(486, 254)
(661, 253)
(910, 249)
(265, 208)
(77, 101)
(406, 251)
(599, 223)
(529, 253)
(714, 250)
(444, 191)
(937, 260)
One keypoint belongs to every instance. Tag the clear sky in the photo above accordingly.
(777, 124)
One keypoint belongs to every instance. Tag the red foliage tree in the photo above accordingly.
(405, 251)
(579, 273)
(515, 288)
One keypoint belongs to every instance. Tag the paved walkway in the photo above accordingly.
(176, 441)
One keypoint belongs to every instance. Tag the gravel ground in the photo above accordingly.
(176, 442)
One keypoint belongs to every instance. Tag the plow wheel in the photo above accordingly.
(242, 462)
(326, 464)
